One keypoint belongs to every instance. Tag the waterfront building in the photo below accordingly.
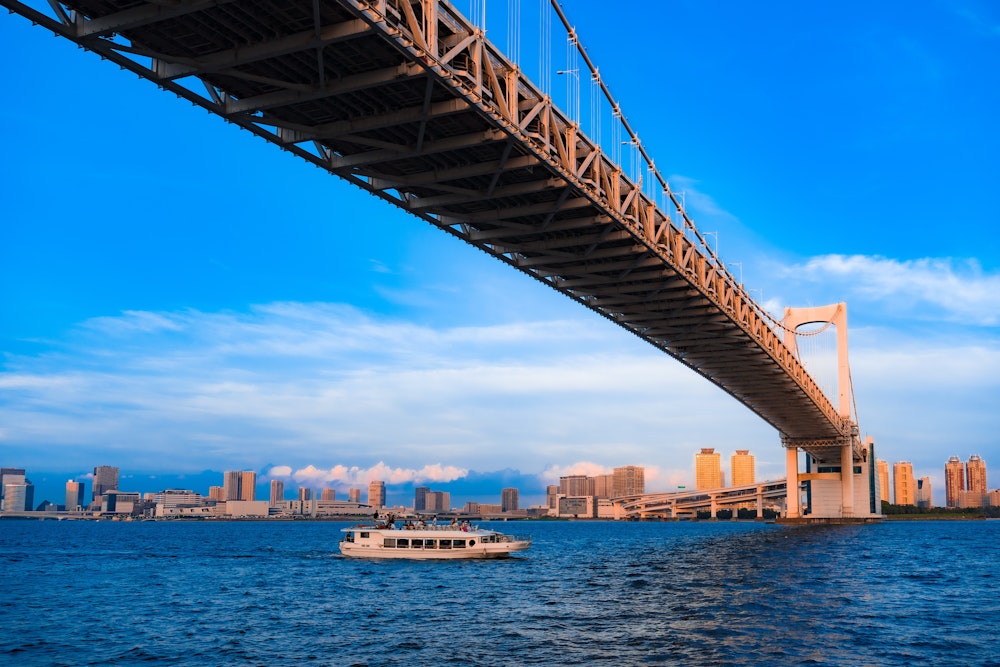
(216, 493)
(248, 486)
(328, 494)
(231, 480)
(708, 469)
(305, 494)
(903, 483)
(10, 476)
(923, 495)
(970, 499)
(742, 465)
(420, 498)
(354, 495)
(438, 501)
(18, 497)
(975, 474)
(883, 480)
(551, 496)
(508, 500)
(604, 486)
(954, 480)
(576, 506)
(240, 485)
(277, 492)
(629, 481)
(576, 485)
(114, 501)
(74, 496)
(105, 479)
(376, 494)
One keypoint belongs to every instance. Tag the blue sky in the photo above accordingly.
(178, 296)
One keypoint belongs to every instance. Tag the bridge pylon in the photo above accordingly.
(841, 475)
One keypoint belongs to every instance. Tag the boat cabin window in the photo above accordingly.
(458, 544)
(389, 542)
(444, 544)
(402, 543)
(364, 534)
(416, 543)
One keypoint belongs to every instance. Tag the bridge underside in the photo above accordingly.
(407, 100)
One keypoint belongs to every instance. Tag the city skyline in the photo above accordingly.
(151, 329)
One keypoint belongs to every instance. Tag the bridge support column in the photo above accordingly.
(714, 508)
(792, 510)
(847, 480)
(760, 503)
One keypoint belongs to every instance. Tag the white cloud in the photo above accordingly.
(355, 476)
(331, 394)
(943, 288)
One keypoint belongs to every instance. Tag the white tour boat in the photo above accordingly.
(385, 540)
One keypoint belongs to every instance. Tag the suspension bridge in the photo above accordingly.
(410, 101)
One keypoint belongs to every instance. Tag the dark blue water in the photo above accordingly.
(175, 593)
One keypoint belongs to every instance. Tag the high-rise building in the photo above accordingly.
(904, 484)
(742, 466)
(305, 493)
(105, 479)
(216, 493)
(19, 497)
(954, 480)
(629, 481)
(231, 480)
(354, 495)
(975, 474)
(277, 492)
(240, 485)
(708, 469)
(923, 494)
(508, 500)
(420, 498)
(328, 494)
(74, 495)
(883, 480)
(552, 492)
(604, 486)
(576, 485)
(376, 494)
(438, 501)
(9, 476)
(248, 485)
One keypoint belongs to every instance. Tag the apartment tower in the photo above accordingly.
(708, 469)
(629, 481)
(508, 500)
(105, 479)
(975, 474)
(954, 480)
(742, 467)
(883, 480)
(904, 484)
(376, 494)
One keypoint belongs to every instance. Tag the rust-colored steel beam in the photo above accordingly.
(408, 100)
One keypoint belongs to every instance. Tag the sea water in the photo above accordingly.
(586, 593)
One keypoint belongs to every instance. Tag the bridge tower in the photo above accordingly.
(841, 476)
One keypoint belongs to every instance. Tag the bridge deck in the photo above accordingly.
(407, 99)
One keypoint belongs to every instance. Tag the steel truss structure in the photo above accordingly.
(409, 101)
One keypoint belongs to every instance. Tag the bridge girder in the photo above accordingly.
(408, 100)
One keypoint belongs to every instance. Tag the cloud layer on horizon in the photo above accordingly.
(335, 393)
